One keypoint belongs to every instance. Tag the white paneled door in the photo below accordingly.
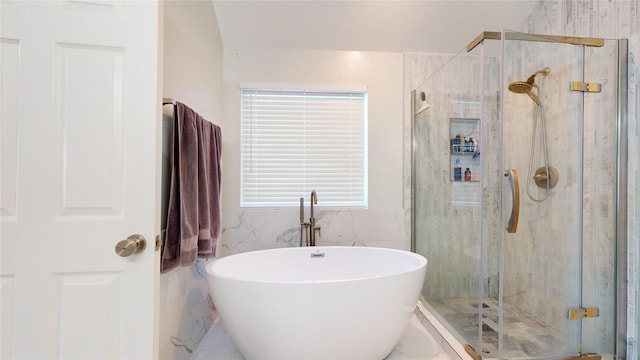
(79, 115)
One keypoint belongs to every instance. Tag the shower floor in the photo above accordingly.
(524, 336)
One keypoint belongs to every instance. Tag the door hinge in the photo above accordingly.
(585, 87)
(579, 313)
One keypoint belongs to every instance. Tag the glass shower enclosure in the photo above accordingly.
(516, 180)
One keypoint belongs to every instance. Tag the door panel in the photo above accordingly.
(9, 67)
(564, 257)
(599, 235)
(542, 260)
(92, 126)
(103, 291)
(80, 108)
(6, 310)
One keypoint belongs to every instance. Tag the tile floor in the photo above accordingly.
(415, 344)
(525, 337)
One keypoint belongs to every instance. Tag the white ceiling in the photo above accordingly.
(391, 25)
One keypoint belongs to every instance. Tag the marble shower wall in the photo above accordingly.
(448, 214)
(606, 19)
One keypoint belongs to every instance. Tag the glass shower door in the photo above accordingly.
(549, 143)
(599, 244)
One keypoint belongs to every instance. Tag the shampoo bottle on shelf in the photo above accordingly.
(467, 175)
(457, 171)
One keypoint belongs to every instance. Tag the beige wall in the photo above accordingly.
(382, 224)
(381, 73)
(192, 75)
(193, 57)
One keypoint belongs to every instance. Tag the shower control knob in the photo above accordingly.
(131, 245)
(542, 179)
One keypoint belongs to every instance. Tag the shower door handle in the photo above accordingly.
(512, 175)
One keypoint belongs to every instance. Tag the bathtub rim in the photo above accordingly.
(422, 263)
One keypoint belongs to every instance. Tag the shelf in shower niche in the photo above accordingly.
(466, 153)
(464, 159)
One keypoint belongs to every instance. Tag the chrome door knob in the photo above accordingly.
(131, 245)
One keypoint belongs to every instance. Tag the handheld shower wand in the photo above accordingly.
(546, 175)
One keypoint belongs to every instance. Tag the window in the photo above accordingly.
(297, 141)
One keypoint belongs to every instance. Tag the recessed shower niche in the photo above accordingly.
(464, 134)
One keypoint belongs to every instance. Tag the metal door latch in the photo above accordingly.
(585, 87)
(579, 313)
(158, 243)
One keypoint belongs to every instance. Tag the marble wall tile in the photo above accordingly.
(249, 230)
(184, 295)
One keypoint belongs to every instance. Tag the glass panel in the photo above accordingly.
(491, 182)
(599, 239)
(542, 261)
(447, 210)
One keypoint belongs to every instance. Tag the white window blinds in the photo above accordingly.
(296, 141)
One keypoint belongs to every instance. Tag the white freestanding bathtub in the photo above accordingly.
(337, 303)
